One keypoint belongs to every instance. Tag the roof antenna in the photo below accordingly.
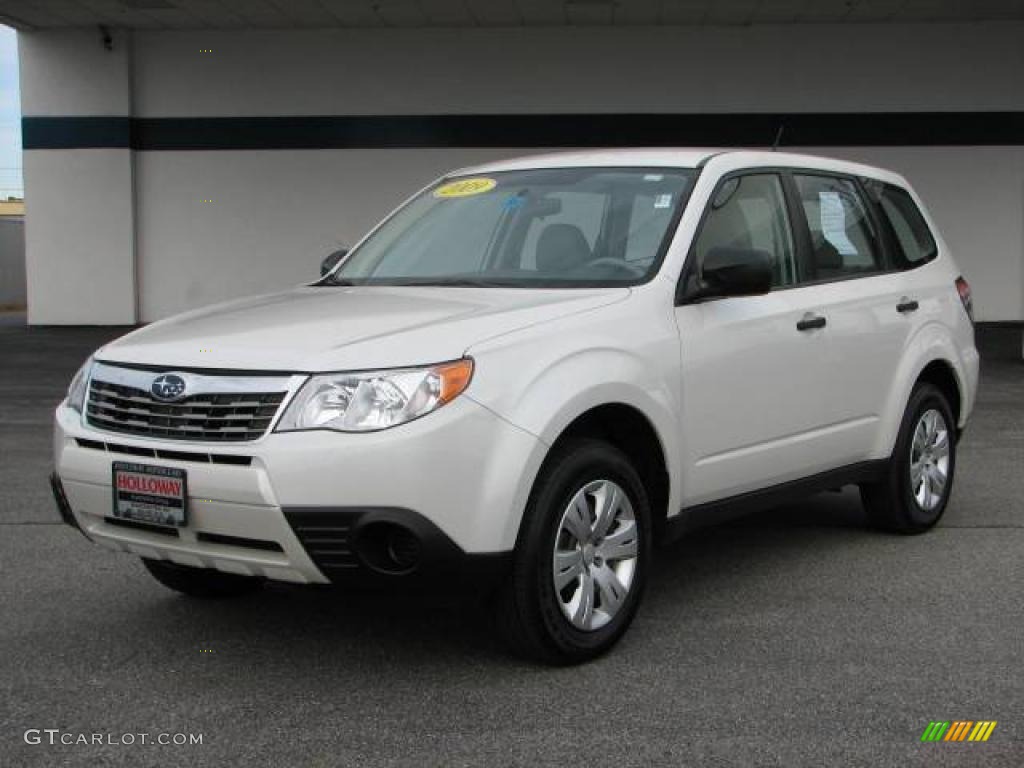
(778, 136)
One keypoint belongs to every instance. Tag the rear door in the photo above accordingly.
(869, 306)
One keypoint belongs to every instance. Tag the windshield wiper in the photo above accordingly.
(456, 282)
(333, 282)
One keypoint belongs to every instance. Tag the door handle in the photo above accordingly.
(810, 321)
(907, 305)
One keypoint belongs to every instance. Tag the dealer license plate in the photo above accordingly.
(148, 494)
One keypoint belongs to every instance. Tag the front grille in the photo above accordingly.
(162, 453)
(222, 417)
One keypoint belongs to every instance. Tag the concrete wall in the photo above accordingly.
(79, 203)
(276, 212)
(12, 261)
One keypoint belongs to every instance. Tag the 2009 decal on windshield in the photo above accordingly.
(465, 187)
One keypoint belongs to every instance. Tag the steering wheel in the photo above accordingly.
(620, 264)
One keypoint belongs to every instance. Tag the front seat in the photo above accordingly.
(562, 248)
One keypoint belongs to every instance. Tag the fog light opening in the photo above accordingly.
(389, 548)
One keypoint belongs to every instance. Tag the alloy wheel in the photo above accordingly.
(929, 460)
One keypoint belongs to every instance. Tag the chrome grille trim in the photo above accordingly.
(215, 408)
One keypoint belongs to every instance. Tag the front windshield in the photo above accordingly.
(561, 227)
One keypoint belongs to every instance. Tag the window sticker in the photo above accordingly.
(653, 177)
(465, 187)
(663, 201)
(833, 222)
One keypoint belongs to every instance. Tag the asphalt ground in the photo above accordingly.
(793, 638)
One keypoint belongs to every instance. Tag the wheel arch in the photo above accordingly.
(606, 390)
(942, 375)
(633, 432)
(931, 356)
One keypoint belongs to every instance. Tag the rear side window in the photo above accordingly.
(843, 240)
(914, 241)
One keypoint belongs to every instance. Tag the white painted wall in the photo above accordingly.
(79, 204)
(276, 213)
(79, 244)
(68, 72)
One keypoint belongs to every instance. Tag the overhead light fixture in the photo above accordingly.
(146, 5)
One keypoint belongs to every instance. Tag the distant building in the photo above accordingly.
(12, 208)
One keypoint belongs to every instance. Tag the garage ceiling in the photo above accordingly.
(243, 14)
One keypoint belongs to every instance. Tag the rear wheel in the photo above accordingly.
(582, 557)
(916, 490)
(201, 582)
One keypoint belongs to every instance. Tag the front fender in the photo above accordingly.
(555, 388)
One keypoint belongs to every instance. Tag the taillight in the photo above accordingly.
(964, 289)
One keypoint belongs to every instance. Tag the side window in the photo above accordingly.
(915, 244)
(750, 212)
(843, 240)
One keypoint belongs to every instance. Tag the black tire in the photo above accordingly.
(891, 503)
(530, 613)
(201, 582)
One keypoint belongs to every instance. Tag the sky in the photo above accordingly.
(10, 116)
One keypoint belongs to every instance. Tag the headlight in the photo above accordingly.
(365, 402)
(76, 392)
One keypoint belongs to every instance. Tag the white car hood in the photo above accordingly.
(343, 328)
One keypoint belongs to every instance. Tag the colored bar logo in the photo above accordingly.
(959, 730)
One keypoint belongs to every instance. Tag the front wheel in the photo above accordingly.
(916, 490)
(582, 556)
(201, 582)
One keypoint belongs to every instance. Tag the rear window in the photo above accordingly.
(914, 242)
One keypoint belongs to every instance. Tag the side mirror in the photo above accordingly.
(735, 272)
(331, 261)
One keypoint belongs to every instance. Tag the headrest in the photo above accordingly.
(562, 248)
(826, 256)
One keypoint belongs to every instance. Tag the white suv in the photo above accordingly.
(532, 372)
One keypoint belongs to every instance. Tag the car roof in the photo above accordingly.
(669, 158)
(679, 158)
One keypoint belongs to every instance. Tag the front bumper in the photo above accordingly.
(318, 507)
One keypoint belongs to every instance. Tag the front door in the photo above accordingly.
(755, 368)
